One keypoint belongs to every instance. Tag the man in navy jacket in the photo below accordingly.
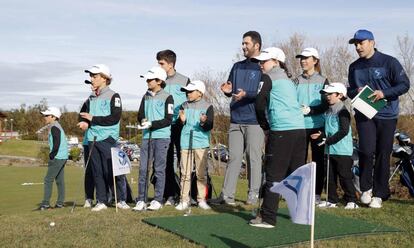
(245, 134)
(385, 75)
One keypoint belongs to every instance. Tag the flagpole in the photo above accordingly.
(116, 200)
(313, 204)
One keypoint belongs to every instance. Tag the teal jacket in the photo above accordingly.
(277, 94)
(58, 146)
(157, 108)
(173, 87)
(338, 130)
(106, 109)
(201, 131)
(308, 88)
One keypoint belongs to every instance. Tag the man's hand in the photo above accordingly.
(240, 94)
(83, 125)
(376, 95)
(226, 87)
(86, 116)
(181, 115)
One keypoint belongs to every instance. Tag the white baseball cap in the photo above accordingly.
(195, 85)
(307, 52)
(334, 88)
(271, 53)
(52, 111)
(155, 72)
(100, 68)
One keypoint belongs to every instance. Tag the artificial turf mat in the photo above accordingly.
(232, 230)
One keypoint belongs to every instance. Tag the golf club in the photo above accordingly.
(190, 167)
(147, 172)
(84, 171)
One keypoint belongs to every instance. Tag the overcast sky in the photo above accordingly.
(47, 44)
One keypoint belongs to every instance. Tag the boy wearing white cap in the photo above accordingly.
(338, 138)
(57, 158)
(100, 116)
(197, 118)
(155, 116)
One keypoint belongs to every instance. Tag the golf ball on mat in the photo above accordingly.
(52, 223)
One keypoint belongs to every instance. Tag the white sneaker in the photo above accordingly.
(376, 202)
(325, 204)
(318, 199)
(99, 207)
(182, 206)
(203, 205)
(140, 206)
(366, 197)
(351, 205)
(170, 201)
(122, 205)
(88, 203)
(155, 205)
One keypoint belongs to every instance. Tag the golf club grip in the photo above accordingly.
(191, 140)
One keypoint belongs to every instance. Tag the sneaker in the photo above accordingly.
(366, 197)
(258, 222)
(170, 201)
(140, 206)
(155, 205)
(88, 203)
(98, 207)
(44, 207)
(325, 204)
(59, 205)
(252, 200)
(318, 199)
(376, 202)
(351, 205)
(182, 206)
(222, 200)
(122, 205)
(203, 205)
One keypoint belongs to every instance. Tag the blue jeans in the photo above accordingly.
(156, 149)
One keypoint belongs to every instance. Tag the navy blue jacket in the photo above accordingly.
(380, 72)
(244, 75)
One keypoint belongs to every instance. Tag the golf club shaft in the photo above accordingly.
(86, 167)
(148, 166)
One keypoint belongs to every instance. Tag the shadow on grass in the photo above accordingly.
(230, 242)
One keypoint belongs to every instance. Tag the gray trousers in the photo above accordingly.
(249, 139)
(55, 171)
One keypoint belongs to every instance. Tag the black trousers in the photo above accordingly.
(285, 152)
(340, 167)
(376, 138)
(317, 157)
(172, 186)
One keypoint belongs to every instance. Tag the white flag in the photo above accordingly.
(120, 162)
(298, 190)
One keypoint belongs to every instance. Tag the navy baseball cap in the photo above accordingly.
(362, 34)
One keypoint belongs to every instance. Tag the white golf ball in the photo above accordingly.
(52, 223)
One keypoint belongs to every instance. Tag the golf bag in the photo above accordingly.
(404, 152)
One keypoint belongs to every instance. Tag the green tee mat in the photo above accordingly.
(232, 229)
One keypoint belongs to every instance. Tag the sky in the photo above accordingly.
(46, 45)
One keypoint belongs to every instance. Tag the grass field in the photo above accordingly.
(23, 227)
(25, 148)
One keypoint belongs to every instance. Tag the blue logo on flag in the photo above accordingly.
(295, 188)
(123, 160)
